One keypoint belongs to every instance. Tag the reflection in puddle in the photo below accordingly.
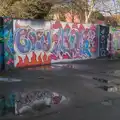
(58, 67)
(73, 66)
(9, 80)
(46, 67)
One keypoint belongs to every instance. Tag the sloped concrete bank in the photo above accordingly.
(30, 102)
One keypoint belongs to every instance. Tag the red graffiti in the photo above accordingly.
(81, 28)
(41, 60)
(93, 27)
(57, 25)
(67, 27)
(75, 26)
(56, 99)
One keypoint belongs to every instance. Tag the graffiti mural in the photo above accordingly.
(7, 104)
(30, 101)
(103, 36)
(8, 42)
(1, 30)
(36, 101)
(41, 42)
(2, 65)
(73, 41)
(32, 42)
(110, 45)
(116, 39)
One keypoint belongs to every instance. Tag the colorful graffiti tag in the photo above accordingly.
(7, 104)
(46, 42)
(37, 101)
(103, 36)
(73, 41)
(116, 39)
(2, 65)
(31, 44)
(30, 101)
(8, 42)
(110, 45)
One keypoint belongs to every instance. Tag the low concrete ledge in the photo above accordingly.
(29, 102)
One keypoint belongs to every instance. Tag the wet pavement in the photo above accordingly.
(92, 89)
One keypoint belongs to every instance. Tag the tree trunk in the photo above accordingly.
(86, 19)
(89, 12)
(87, 16)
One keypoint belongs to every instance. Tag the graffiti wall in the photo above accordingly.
(2, 65)
(1, 45)
(116, 39)
(7, 104)
(31, 42)
(35, 101)
(42, 42)
(8, 43)
(29, 102)
(103, 32)
(73, 41)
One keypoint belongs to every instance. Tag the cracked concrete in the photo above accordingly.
(74, 81)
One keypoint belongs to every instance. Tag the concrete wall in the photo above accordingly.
(8, 43)
(29, 102)
(1, 44)
(38, 42)
(43, 42)
(115, 40)
(103, 32)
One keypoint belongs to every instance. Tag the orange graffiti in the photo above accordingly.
(45, 59)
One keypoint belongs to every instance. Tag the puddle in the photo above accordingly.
(59, 67)
(10, 80)
(44, 67)
(73, 66)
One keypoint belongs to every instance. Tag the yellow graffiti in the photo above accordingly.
(22, 42)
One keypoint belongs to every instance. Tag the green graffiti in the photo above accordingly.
(115, 44)
(7, 104)
(6, 54)
(72, 39)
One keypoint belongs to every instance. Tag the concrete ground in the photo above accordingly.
(87, 100)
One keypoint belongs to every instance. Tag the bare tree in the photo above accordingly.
(87, 7)
(82, 8)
